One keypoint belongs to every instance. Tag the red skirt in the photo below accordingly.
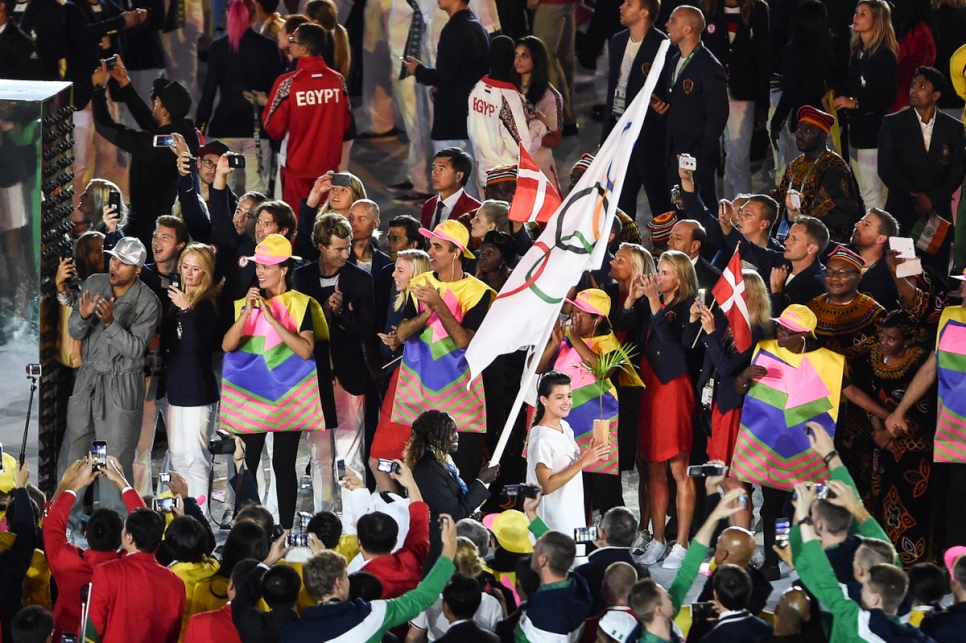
(724, 434)
(666, 417)
(390, 439)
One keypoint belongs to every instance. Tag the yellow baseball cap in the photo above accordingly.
(452, 231)
(273, 250)
(798, 319)
(593, 301)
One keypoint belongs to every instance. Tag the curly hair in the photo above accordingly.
(431, 432)
(467, 559)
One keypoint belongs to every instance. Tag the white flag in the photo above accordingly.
(574, 240)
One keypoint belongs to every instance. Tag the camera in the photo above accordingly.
(341, 180)
(297, 540)
(222, 444)
(164, 477)
(783, 527)
(520, 491)
(34, 370)
(585, 535)
(236, 160)
(164, 505)
(99, 455)
(388, 466)
(702, 470)
(110, 63)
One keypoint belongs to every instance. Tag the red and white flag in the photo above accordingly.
(536, 199)
(729, 292)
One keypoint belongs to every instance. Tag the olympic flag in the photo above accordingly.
(526, 308)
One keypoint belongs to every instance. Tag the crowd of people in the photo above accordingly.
(242, 283)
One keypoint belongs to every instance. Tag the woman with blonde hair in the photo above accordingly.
(94, 212)
(873, 68)
(656, 308)
(724, 364)
(187, 378)
(344, 189)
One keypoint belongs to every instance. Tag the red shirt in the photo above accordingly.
(215, 626)
(311, 106)
(70, 565)
(402, 571)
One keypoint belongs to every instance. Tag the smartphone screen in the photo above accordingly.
(340, 469)
(163, 140)
(783, 527)
(99, 454)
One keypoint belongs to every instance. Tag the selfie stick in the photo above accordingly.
(30, 404)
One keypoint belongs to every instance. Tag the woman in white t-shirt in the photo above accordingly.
(554, 460)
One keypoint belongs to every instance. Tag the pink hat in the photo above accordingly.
(951, 556)
(593, 301)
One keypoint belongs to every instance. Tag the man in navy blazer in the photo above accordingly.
(639, 42)
(616, 533)
(345, 293)
(694, 95)
(922, 176)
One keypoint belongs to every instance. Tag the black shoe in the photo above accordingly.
(402, 185)
(386, 134)
(412, 196)
(570, 129)
(597, 113)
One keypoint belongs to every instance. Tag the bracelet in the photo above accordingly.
(829, 456)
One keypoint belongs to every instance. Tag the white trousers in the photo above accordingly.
(251, 178)
(865, 168)
(416, 110)
(737, 146)
(188, 430)
(348, 440)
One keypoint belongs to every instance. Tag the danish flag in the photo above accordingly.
(535, 199)
(729, 292)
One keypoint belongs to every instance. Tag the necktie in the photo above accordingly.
(414, 39)
(438, 217)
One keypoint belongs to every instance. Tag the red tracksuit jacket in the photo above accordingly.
(215, 626)
(401, 572)
(311, 106)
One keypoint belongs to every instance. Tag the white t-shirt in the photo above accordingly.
(563, 509)
(620, 92)
(435, 624)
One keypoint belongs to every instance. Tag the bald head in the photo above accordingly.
(619, 578)
(685, 25)
(735, 546)
(792, 612)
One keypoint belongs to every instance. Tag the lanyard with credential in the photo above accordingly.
(677, 72)
(257, 134)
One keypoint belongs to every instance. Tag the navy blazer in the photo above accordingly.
(872, 82)
(734, 628)
(946, 626)
(906, 167)
(722, 359)
(658, 336)
(597, 563)
(654, 124)
(747, 58)
(18, 60)
(698, 103)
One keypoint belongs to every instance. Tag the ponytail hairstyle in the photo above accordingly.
(325, 13)
(238, 19)
(548, 381)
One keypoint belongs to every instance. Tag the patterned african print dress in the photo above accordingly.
(904, 486)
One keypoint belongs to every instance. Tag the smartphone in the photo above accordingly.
(796, 201)
(342, 180)
(99, 454)
(164, 477)
(297, 540)
(114, 200)
(702, 470)
(743, 502)
(236, 160)
(164, 505)
(68, 638)
(702, 293)
(783, 527)
(304, 520)
(821, 491)
(585, 535)
(809, 431)
(2, 469)
(110, 63)
(387, 466)
(174, 280)
(163, 140)
(687, 162)
(340, 469)
(520, 491)
(703, 612)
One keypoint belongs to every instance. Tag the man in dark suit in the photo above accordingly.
(695, 99)
(921, 161)
(452, 169)
(364, 219)
(461, 61)
(18, 60)
(948, 625)
(616, 534)
(689, 236)
(345, 292)
(632, 53)
(461, 598)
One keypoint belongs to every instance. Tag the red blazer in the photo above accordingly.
(70, 565)
(464, 204)
(135, 598)
(215, 626)
(402, 571)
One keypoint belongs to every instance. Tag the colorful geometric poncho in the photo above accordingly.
(587, 402)
(950, 441)
(772, 447)
(265, 386)
(434, 373)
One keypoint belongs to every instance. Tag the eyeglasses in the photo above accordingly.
(841, 274)
(293, 41)
(209, 164)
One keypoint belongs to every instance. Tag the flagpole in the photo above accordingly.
(525, 383)
(701, 328)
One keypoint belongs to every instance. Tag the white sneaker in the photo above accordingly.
(653, 552)
(643, 537)
(674, 559)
